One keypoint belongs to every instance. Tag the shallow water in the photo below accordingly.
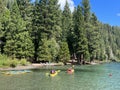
(89, 77)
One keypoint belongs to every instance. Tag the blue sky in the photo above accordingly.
(107, 11)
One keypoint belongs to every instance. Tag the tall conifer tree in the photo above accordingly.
(26, 8)
(66, 22)
(80, 36)
(93, 37)
(18, 40)
(64, 53)
(86, 10)
(87, 14)
(46, 27)
(37, 19)
(4, 24)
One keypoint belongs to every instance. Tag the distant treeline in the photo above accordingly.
(40, 31)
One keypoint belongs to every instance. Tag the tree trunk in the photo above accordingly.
(78, 59)
(82, 59)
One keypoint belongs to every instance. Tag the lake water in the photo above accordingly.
(88, 77)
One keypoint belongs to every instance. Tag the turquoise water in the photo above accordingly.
(89, 77)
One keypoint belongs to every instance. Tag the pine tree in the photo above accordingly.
(93, 38)
(26, 8)
(8, 3)
(80, 36)
(48, 51)
(53, 21)
(46, 27)
(18, 40)
(37, 19)
(66, 22)
(71, 36)
(2, 7)
(86, 10)
(4, 24)
(87, 25)
(44, 53)
(1, 27)
(64, 54)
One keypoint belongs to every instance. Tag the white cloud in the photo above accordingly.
(70, 2)
(118, 14)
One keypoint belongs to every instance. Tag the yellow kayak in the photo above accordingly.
(54, 74)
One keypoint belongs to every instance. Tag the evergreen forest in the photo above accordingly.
(41, 31)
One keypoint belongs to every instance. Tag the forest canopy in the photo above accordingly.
(41, 31)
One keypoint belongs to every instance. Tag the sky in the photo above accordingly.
(107, 11)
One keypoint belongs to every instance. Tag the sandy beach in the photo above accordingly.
(30, 66)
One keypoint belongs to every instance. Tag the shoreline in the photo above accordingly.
(30, 66)
(38, 65)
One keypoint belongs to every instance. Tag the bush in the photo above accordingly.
(3, 57)
(6, 61)
(61, 63)
(23, 62)
(13, 63)
(3, 60)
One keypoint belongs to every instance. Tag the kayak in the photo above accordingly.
(70, 71)
(54, 74)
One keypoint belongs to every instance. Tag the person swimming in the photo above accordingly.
(110, 74)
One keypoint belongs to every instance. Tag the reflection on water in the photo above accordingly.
(85, 78)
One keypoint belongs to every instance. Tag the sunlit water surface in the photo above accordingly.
(88, 77)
